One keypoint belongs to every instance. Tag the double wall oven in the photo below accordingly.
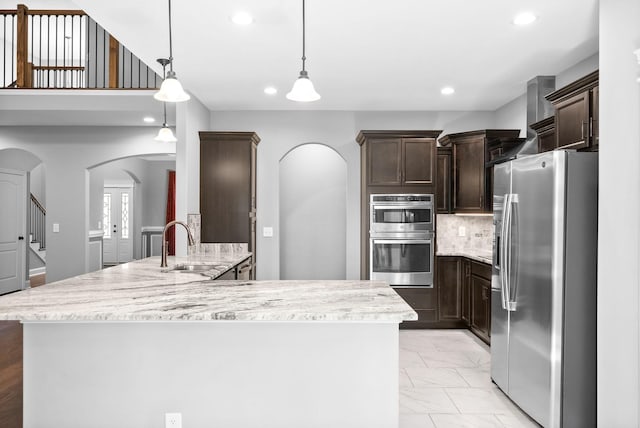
(401, 250)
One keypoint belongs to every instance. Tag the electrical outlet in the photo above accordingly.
(173, 420)
(267, 232)
(462, 231)
(56, 227)
(100, 225)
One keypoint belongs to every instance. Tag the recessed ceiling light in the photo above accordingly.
(149, 119)
(447, 90)
(241, 18)
(524, 18)
(270, 90)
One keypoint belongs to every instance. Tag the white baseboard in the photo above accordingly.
(37, 271)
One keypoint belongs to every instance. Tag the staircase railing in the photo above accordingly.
(38, 223)
(66, 49)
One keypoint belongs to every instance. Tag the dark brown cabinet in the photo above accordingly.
(546, 130)
(449, 288)
(394, 162)
(472, 180)
(480, 300)
(399, 161)
(464, 295)
(577, 114)
(228, 187)
(240, 272)
(423, 301)
(466, 290)
(443, 180)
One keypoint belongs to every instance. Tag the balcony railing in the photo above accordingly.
(66, 49)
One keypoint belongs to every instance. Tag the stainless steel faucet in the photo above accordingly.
(165, 243)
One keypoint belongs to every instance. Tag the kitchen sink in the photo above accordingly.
(196, 268)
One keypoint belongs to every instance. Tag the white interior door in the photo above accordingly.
(118, 225)
(13, 201)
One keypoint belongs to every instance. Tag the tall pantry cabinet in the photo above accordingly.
(228, 187)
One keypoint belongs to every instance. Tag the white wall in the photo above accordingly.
(67, 152)
(619, 215)
(155, 192)
(280, 131)
(191, 117)
(313, 213)
(577, 71)
(37, 184)
(513, 115)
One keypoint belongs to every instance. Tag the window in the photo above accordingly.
(106, 216)
(125, 216)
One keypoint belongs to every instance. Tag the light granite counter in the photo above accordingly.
(250, 354)
(142, 291)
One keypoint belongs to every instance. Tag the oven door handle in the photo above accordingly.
(402, 241)
(402, 207)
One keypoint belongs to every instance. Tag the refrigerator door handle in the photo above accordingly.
(502, 252)
(512, 280)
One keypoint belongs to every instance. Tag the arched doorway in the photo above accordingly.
(313, 213)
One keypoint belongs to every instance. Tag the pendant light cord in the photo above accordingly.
(170, 42)
(164, 104)
(304, 58)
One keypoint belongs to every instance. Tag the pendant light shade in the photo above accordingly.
(165, 135)
(303, 90)
(171, 90)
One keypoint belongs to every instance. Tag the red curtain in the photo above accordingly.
(171, 212)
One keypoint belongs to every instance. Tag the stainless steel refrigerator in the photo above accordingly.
(543, 288)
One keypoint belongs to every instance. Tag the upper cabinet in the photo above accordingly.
(399, 158)
(546, 130)
(576, 114)
(443, 181)
(472, 179)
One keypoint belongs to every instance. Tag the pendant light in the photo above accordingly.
(165, 134)
(171, 89)
(303, 89)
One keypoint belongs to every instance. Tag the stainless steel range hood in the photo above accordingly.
(538, 108)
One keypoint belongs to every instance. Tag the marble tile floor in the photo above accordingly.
(445, 383)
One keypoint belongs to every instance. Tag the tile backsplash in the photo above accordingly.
(478, 234)
(194, 223)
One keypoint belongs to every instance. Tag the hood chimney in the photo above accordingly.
(538, 107)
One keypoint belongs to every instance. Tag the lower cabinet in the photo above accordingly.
(241, 271)
(464, 292)
(423, 301)
(449, 288)
(481, 300)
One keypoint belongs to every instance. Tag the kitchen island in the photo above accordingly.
(125, 345)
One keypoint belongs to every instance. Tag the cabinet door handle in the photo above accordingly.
(582, 133)
(591, 127)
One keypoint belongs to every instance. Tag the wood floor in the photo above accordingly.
(10, 374)
(37, 280)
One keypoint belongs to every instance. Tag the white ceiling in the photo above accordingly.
(362, 54)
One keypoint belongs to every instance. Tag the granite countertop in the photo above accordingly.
(477, 256)
(142, 291)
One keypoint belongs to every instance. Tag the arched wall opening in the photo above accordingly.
(313, 213)
(147, 176)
